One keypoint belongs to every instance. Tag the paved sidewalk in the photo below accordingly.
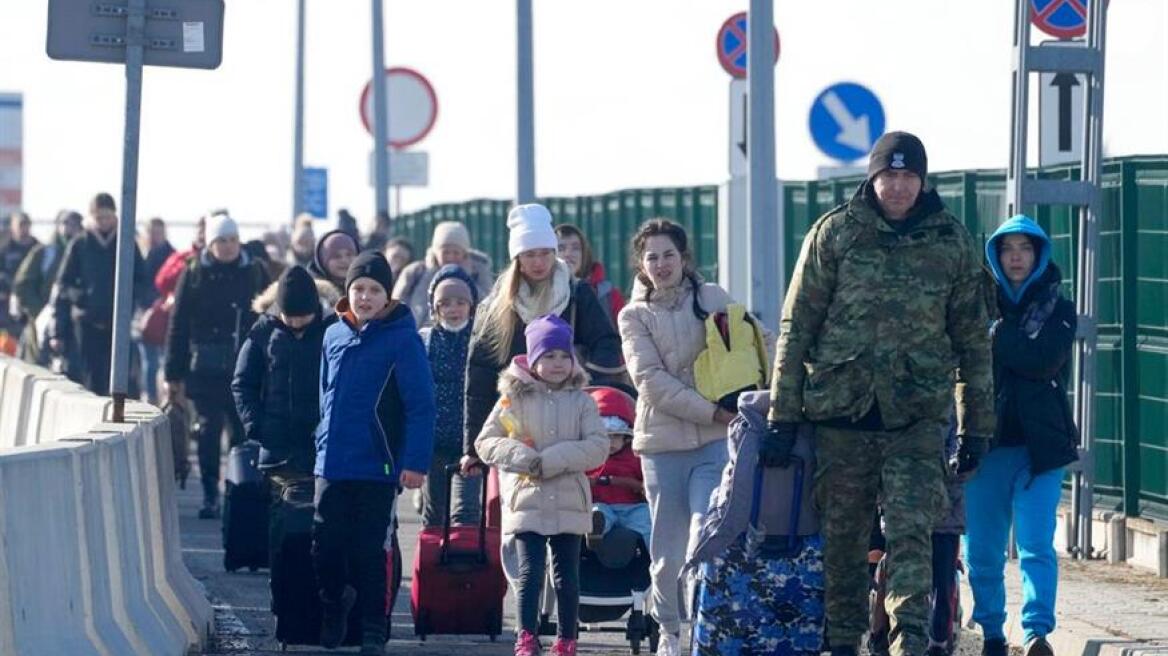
(1102, 609)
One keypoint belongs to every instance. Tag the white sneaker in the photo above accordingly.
(668, 645)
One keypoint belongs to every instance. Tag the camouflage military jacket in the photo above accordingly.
(872, 315)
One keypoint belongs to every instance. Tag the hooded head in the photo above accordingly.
(1025, 226)
(452, 282)
(334, 254)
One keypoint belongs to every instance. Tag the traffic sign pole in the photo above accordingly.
(525, 119)
(767, 261)
(298, 120)
(380, 112)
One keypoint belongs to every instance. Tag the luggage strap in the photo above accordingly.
(480, 555)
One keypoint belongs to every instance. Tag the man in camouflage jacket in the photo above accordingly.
(883, 330)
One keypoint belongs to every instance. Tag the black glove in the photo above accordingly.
(778, 443)
(970, 449)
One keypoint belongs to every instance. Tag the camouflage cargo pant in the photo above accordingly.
(904, 470)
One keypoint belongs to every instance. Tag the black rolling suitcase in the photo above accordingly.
(295, 598)
(245, 510)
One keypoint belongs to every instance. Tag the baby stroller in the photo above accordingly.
(614, 582)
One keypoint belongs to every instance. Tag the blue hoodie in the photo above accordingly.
(1018, 225)
(376, 399)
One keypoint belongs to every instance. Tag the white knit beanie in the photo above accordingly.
(531, 228)
(450, 233)
(221, 226)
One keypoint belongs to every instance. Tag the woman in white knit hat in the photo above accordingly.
(449, 245)
(533, 285)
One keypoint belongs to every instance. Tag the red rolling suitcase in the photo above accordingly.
(458, 585)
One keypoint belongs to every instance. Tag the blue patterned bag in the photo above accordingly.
(764, 594)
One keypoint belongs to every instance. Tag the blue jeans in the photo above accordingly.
(678, 485)
(633, 516)
(1003, 492)
(151, 360)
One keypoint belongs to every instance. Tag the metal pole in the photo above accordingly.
(525, 107)
(298, 128)
(1087, 300)
(766, 247)
(1020, 98)
(124, 269)
(380, 113)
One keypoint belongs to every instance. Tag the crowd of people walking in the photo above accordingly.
(933, 376)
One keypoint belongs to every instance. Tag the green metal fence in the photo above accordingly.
(1131, 461)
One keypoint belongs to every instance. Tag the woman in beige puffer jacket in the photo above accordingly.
(679, 434)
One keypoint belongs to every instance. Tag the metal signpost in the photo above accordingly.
(845, 120)
(136, 33)
(750, 229)
(315, 185)
(298, 118)
(1065, 19)
(379, 111)
(525, 105)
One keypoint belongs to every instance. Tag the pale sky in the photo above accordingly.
(628, 94)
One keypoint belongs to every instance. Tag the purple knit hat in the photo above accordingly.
(547, 333)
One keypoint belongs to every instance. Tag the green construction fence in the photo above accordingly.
(1131, 432)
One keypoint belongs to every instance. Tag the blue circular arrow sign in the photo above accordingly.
(846, 119)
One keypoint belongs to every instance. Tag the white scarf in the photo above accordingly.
(561, 294)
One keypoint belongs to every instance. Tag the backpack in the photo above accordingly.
(735, 359)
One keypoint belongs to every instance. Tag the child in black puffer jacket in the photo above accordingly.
(453, 298)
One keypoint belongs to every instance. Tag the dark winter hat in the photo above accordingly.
(296, 294)
(453, 281)
(547, 333)
(898, 151)
(370, 264)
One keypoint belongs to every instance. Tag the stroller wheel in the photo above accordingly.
(635, 631)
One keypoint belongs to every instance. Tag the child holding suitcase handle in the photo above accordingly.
(542, 435)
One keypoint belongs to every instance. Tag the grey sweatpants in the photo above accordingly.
(678, 485)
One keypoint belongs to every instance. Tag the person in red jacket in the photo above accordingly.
(574, 249)
(618, 489)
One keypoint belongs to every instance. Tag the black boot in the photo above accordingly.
(373, 637)
(334, 619)
(210, 509)
(995, 647)
(1038, 646)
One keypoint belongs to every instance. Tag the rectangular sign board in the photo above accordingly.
(179, 33)
(407, 168)
(316, 192)
(1060, 114)
(11, 152)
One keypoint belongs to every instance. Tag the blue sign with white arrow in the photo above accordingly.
(316, 192)
(846, 119)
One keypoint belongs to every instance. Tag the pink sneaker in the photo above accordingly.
(563, 647)
(528, 645)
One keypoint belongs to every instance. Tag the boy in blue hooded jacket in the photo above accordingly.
(376, 431)
(1019, 481)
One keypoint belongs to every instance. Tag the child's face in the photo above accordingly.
(366, 298)
(453, 311)
(554, 367)
(616, 442)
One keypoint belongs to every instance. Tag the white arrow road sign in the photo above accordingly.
(854, 130)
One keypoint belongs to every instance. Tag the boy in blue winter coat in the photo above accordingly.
(453, 297)
(376, 431)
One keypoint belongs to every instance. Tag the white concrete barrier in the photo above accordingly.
(90, 558)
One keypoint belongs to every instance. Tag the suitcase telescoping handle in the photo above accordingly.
(453, 470)
(796, 499)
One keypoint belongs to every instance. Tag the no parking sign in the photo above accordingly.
(731, 45)
(1065, 19)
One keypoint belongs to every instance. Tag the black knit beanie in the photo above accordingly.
(370, 264)
(296, 294)
(898, 151)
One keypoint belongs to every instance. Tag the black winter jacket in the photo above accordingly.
(1030, 376)
(212, 313)
(277, 390)
(593, 333)
(87, 281)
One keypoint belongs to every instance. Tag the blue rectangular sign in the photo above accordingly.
(316, 192)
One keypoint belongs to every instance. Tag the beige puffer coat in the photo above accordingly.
(661, 338)
(543, 487)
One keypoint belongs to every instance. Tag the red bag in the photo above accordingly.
(458, 585)
(494, 505)
(155, 322)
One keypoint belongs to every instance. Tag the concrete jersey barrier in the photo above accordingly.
(90, 559)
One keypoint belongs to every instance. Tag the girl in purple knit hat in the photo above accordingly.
(542, 435)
